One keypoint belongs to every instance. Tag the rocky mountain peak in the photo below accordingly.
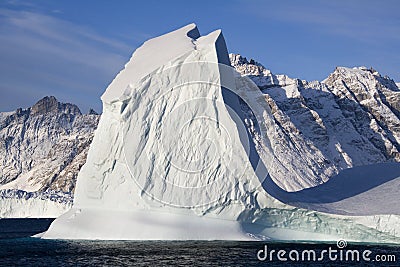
(370, 69)
(247, 67)
(50, 104)
(92, 112)
(44, 145)
(368, 78)
(262, 77)
(350, 119)
(237, 59)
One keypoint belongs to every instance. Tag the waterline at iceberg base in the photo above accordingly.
(182, 152)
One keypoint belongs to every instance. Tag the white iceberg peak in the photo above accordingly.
(152, 54)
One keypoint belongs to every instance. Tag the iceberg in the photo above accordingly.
(182, 152)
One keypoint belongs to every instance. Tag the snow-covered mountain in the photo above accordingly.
(320, 128)
(41, 204)
(349, 119)
(42, 148)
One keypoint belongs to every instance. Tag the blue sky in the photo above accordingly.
(73, 49)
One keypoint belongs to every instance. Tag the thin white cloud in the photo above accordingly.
(20, 3)
(56, 30)
(41, 53)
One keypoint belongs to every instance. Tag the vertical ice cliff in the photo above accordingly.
(173, 157)
(167, 145)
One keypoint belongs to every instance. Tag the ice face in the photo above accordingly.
(150, 56)
(174, 140)
(173, 156)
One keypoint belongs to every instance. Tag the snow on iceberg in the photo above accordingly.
(175, 157)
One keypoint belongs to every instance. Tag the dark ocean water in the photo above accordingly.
(18, 249)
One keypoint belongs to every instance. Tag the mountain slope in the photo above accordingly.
(350, 119)
(43, 147)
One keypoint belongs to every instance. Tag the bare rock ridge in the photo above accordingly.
(50, 104)
(43, 147)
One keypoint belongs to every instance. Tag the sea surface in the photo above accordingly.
(17, 248)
